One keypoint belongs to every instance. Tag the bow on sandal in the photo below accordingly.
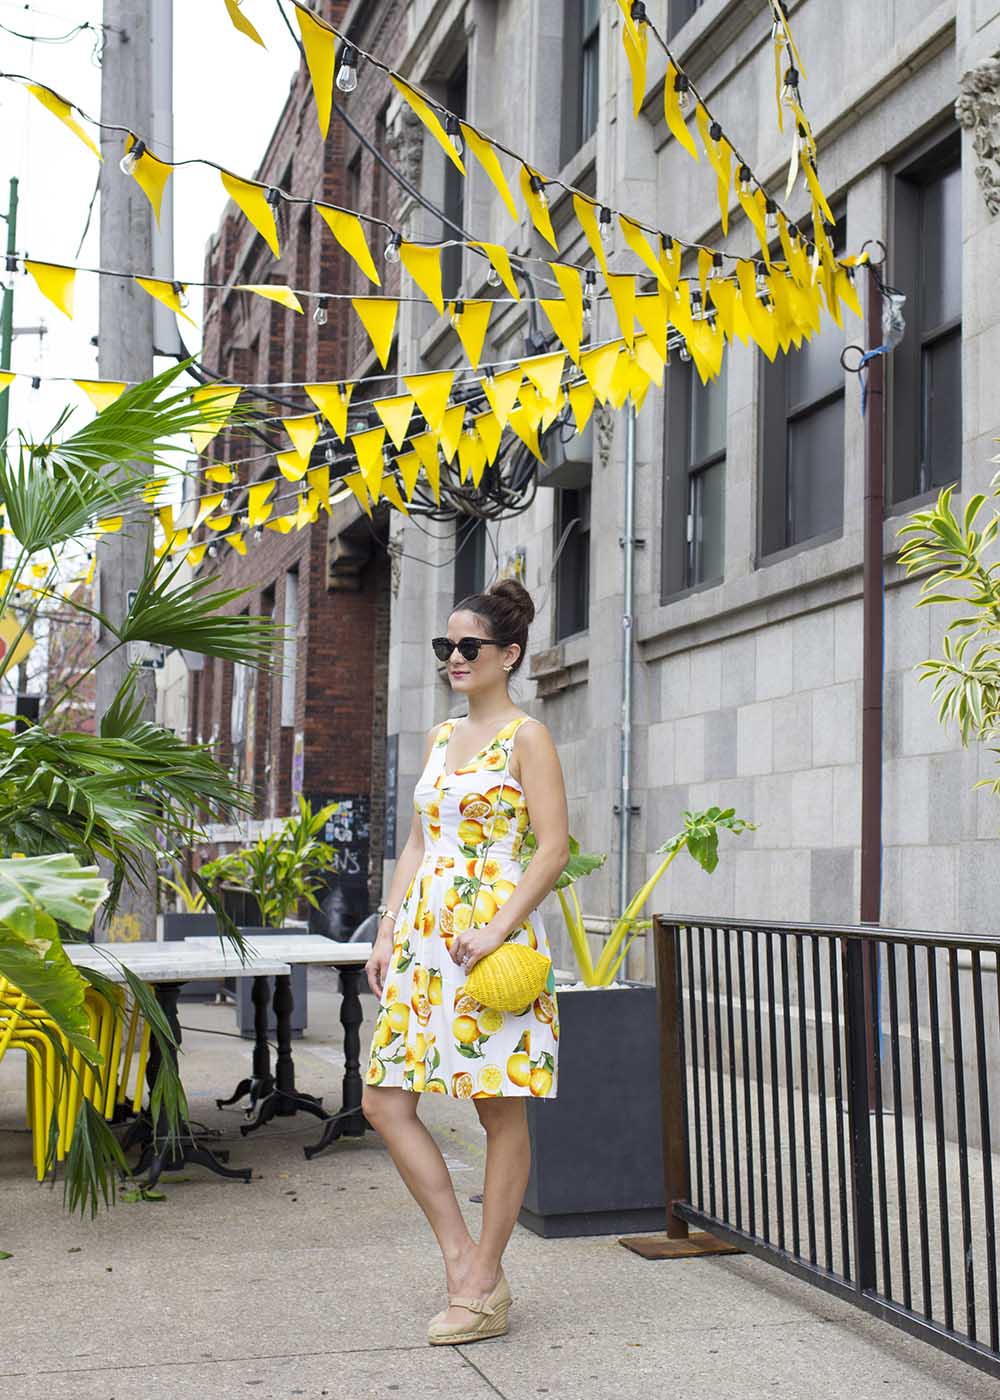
(491, 1322)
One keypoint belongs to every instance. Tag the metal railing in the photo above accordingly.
(830, 1104)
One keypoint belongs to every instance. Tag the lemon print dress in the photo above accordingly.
(430, 1035)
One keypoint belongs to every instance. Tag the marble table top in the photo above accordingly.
(298, 948)
(170, 962)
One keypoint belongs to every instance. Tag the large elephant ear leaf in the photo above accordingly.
(34, 893)
(580, 863)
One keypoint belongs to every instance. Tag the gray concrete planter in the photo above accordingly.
(180, 926)
(596, 1148)
(242, 988)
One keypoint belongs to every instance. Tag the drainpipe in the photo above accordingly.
(628, 649)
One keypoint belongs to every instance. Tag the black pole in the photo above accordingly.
(874, 626)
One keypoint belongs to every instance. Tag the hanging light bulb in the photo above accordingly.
(321, 315)
(457, 308)
(771, 215)
(453, 130)
(392, 248)
(258, 533)
(182, 296)
(213, 550)
(685, 354)
(790, 88)
(493, 278)
(793, 230)
(329, 454)
(761, 279)
(717, 270)
(715, 132)
(347, 73)
(682, 87)
(696, 314)
(538, 189)
(666, 243)
(604, 226)
(746, 175)
(639, 15)
(131, 158)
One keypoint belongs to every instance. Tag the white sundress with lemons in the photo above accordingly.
(430, 1035)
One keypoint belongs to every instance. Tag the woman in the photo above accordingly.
(458, 892)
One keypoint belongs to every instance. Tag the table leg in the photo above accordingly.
(284, 1100)
(261, 1081)
(155, 1160)
(350, 1121)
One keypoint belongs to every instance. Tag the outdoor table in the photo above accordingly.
(278, 1094)
(165, 966)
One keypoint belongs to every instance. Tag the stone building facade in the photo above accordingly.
(747, 617)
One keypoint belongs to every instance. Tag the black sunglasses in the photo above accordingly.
(467, 647)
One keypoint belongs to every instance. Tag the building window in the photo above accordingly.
(291, 648)
(581, 76)
(802, 439)
(694, 514)
(926, 370)
(456, 98)
(470, 557)
(678, 14)
(573, 561)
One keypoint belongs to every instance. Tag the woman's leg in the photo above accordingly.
(508, 1161)
(392, 1112)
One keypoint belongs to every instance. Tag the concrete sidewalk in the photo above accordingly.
(318, 1279)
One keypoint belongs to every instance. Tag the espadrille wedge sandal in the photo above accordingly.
(492, 1320)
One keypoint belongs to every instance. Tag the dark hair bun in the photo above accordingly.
(516, 598)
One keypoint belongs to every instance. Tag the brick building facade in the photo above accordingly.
(316, 724)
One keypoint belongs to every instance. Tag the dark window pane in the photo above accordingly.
(816, 472)
(706, 517)
(573, 566)
(941, 250)
(470, 558)
(707, 417)
(589, 79)
(815, 370)
(941, 429)
(680, 11)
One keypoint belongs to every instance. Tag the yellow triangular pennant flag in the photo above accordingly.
(581, 401)
(291, 465)
(151, 175)
(220, 400)
(62, 109)
(490, 161)
(426, 448)
(223, 474)
(390, 490)
(319, 484)
(599, 366)
(451, 431)
(431, 392)
(563, 322)
(621, 381)
(423, 263)
(250, 198)
(271, 291)
(196, 554)
(349, 233)
(282, 524)
(720, 156)
(545, 374)
(652, 314)
(219, 522)
(396, 414)
(500, 260)
(526, 431)
(55, 282)
(101, 392)
(471, 457)
(637, 241)
(673, 114)
(165, 292)
(538, 205)
(319, 43)
(490, 434)
(111, 525)
(430, 119)
(368, 450)
(378, 316)
(206, 505)
(636, 42)
(303, 431)
(332, 400)
(166, 519)
(621, 285)
(586, 213)
(258, 508)
(649, 360)
(241, 22)
(357, 486)
(237, 541)
(501, 393)
(6, 379)
(409, 469)
(471, 328)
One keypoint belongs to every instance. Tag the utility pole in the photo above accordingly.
(125, 351)
(7, 315)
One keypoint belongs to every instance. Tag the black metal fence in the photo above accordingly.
(831, 1105)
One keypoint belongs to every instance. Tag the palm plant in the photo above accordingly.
(699, 837)
(133, 791)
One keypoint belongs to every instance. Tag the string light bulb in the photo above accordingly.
(258, 533)
(329, 454)
(181, 294)
(790, 88)
(320, 315)
(392, 248)
(746, 175)
(696, 312)
(605, 226)
(771, 215)
(213, 550)
(538, 189)
(761, 279)
(682, 87)
(715, 132)
(273, 196)
(453, 130)
(347, 73)
(493, 278)
(717, 270)
(131, 158)
(457, 308)
(685, 354)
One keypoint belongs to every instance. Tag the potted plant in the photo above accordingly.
(277, 872)
(596, 1148)
(194, 919)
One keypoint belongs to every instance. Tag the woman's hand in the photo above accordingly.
(378, 964)
(467, 948)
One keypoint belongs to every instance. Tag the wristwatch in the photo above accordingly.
(383, 910)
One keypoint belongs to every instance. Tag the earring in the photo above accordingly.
(509, 668)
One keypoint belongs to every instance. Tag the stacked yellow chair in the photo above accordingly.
(25, 1025)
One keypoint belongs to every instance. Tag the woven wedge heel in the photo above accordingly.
(492, 1320)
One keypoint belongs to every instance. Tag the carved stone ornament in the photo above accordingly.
(395, 549)
(978, 109)
(405, 142)
(605, 425)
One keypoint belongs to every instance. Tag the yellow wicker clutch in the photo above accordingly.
(509, 978)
